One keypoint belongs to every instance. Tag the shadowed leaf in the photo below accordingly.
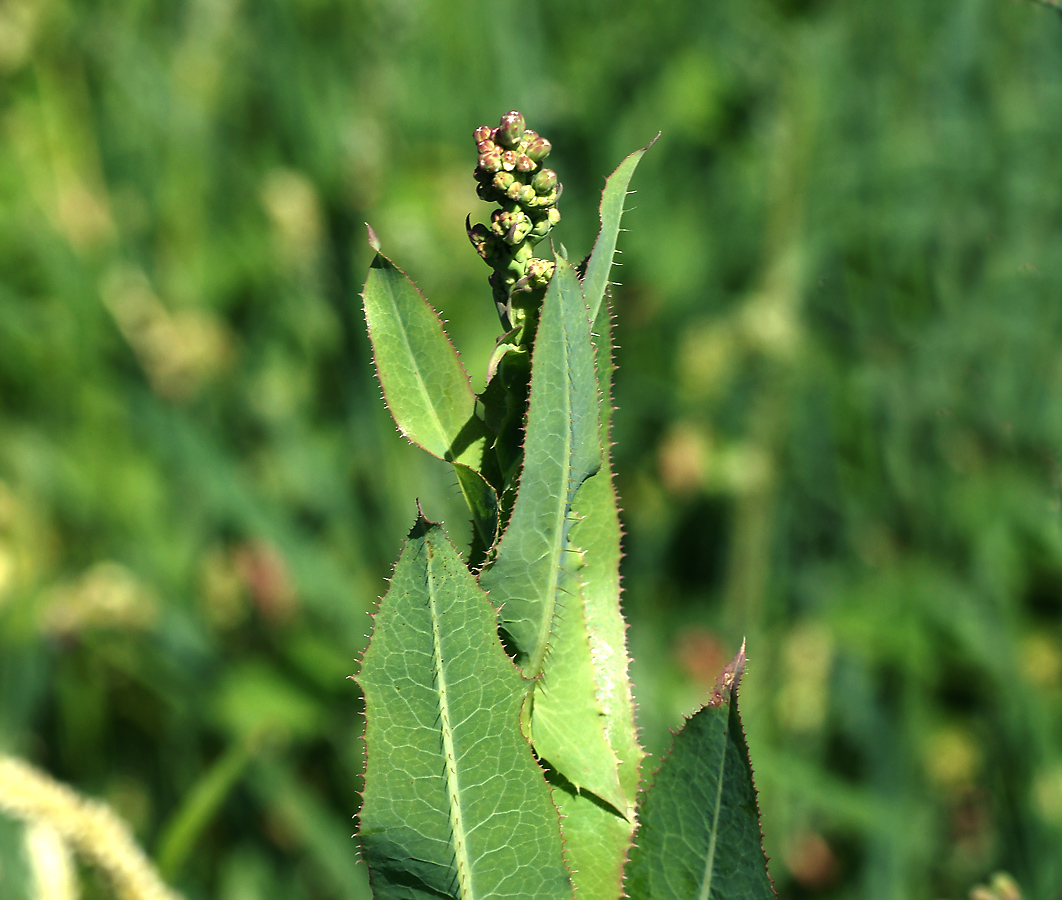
(699, 831)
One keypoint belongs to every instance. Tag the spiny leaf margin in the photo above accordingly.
(455, 804)
(699, 825)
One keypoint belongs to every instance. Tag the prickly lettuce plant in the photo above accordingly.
(502, 753)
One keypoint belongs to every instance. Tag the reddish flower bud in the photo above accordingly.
(538, 148)
(491, 161)
(539, 272)
(525, 163)
(484, 133)
(485, 146)
(508, 160)
(510, 129)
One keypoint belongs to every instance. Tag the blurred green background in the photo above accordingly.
(840, 395)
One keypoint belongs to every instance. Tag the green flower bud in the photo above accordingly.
(539, 272)
(538, 148)
(527, 195)
(541, 228)
(508, 160)
(491, 161)
(501, 220)
(483, 133)
(554, 215)
(546, 201)
(524, 163)
(519, 232)
(510, 129)
(544, 182)
(511, 227)
(515, 190)
(502, 181)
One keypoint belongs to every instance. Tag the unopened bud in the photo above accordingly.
(502, 181)
(486, 146)
(515, 190)
(554, 215)
(481, 239)
(501, 220)
(525, 163)
(484, 133)
(510, 129)
(541, 228)
(508, 160)
(491, 161)
(545, 201)
(544, 182)
(539, 272)
(520, 230)
(538, 148)
(511, 227)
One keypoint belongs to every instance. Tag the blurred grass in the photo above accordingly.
(839, 428)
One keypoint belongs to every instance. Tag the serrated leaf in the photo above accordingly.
(599, 266)
(597, 533)
(596, 841)
(568, 723)
(699, 825)
(454, 803)
(561, 451)
(596, 837)
(426, 388)
(534, 578)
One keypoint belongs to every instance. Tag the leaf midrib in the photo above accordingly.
(457, 823)
(706, 879)
(563, 506)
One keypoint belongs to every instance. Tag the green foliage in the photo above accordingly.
(699, 832)
(838, 430)
(455, 804)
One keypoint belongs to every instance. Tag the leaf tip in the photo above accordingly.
(423, 524)
(728, 680)
(374, 241)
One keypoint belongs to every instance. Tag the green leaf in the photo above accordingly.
(568, 722)
(699, 833)
(597, 533)
(596, 837)
(561, 450)
(426, 388)
(534, 578)
(599, 266)
(424, 383)
(454, 804)
(596, 841)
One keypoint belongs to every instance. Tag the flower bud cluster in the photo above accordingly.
(509, 172)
